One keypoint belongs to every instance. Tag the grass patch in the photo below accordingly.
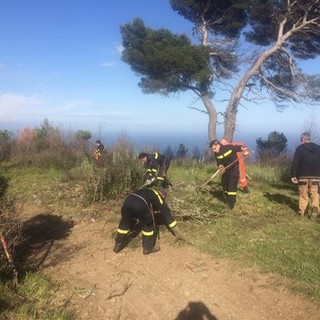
(263, 230)
(33, 299)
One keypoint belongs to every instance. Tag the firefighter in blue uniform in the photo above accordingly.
(141, 205)
(226, 157)
(157, 166)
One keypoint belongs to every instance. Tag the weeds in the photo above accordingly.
(262, 231)
(33, 299)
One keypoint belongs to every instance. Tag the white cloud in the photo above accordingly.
(119, 48)
(109, 64)
(17, 106)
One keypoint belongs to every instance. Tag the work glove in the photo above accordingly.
(295, 180)
(246, 151)
(222, 169)
(148, 182)
(147, 175)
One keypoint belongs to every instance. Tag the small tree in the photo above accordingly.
(181, 151)
(5, 144)
(273, 147)
(169, 152)
(196, 154)
(83, 135)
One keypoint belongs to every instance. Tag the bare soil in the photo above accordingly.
(178, 282)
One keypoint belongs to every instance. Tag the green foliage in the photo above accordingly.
(44, 132)
(10, 227)
(262, 231)
(181, 151)
(121, 174)
(48, 147)
(5, 144)
(83, 135)
(275, 173)
(167, 63)
(272, 148)
(223, 17)
(33, 299)
(304, 42)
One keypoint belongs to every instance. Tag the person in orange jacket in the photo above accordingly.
(243, 179)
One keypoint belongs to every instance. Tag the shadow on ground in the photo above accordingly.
(38, 235)
(195, 311)
(282, 199)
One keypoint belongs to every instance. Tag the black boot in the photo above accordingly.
(246, 190)
(156, 248)
(118, 247)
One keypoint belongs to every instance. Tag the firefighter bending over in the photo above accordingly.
(157, 166)
(226, 157)
(140, 205)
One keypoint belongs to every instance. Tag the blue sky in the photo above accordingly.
(61, 60)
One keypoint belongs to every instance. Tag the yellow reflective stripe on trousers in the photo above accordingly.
(173, 224)
(148, 233)
(121, 231)
(231, 193)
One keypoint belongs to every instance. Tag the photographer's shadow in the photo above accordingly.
(195, 311)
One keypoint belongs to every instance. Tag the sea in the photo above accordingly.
(191, 140)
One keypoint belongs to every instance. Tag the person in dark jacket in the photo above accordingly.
(226, 157)
(305, 172)
(157, 166)
(99, 150)
(141, 205)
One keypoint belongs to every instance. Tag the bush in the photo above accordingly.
(10, 229)
(117, 175)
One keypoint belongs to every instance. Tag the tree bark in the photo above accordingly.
(232, 108)
(213, 116)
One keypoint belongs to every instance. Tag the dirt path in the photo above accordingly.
(176, 283)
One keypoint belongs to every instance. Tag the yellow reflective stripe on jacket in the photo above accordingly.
(158, 195)
(160, 178)
(121, 231)
(231, 193)
(225, 154)
(172, 224)
(148, 233)
(156, 155)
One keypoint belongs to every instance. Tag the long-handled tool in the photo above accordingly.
(155, 225)
(225, 169)
(8, 255)
(211, 178)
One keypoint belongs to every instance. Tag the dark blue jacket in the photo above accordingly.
(306, 161)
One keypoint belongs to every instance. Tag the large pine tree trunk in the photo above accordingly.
(213, 116)
(232, 108)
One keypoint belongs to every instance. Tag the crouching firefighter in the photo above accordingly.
(140, 205)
